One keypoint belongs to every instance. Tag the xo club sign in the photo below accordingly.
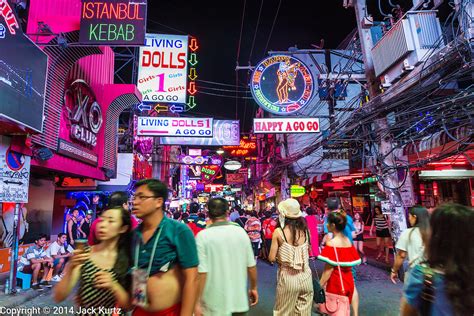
(83, 112)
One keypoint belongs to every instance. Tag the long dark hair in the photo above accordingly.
(338, 219)
(451, 249)
(422, 222)
(297, 227)
(123, 263)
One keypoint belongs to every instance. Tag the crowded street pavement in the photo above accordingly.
(379, 296)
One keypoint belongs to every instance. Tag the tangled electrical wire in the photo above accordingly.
(439, 99)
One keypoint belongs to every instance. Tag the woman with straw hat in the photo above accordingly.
(290, 247)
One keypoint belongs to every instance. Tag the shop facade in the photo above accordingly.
(77, 144)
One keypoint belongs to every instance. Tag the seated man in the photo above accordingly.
(59, 254)
(33, 260)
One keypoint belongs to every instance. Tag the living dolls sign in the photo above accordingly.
(113, 22)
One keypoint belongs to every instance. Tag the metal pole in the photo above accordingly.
(14, 250)
(389, 179)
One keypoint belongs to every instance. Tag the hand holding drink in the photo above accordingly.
(79, 255)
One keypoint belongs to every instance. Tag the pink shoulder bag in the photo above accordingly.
(336, 305)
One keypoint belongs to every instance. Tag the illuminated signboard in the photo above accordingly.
(282, 84)
(23, 71)
(235, 178)
(83, 112)
(246, 148)
(285, 125)
(174, 126)
(113, 22)
(225, 133)
(297, 191)
(162, 68)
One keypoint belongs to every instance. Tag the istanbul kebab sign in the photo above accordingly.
(174, 126)
(113, 22)
(285, 125)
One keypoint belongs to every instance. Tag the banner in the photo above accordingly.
(163, 67)
(113, 22)
(174, 126)
(285, 125)
(225, 133)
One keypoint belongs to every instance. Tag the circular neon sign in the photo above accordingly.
(282, 84)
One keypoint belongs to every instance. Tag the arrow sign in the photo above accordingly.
(193, 45)
(161, 108)
(193, 60)
(143, 107)
(177, 108)
(192, 88)
(152, 132)
(13, 182)
(192, 74)
(191, 102)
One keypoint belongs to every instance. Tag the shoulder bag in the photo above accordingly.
(336, 305)
(318, 292)
(428, 292)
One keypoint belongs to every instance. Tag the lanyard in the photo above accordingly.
(137, 252)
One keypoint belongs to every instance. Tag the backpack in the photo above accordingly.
(253, 228)
(269, 226)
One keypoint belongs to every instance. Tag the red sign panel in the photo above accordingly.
(246, 148)
(235, 178)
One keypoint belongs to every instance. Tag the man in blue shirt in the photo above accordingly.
(166, 251)
(333, 206)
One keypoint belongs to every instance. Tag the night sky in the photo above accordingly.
(217, 24)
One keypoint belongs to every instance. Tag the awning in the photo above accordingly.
(449, 174)
(318, 178)
(432, 141)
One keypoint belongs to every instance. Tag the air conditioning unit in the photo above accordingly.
(407, 44)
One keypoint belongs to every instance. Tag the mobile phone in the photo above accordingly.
(80, 243)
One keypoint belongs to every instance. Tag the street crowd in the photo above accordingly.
(203, 262)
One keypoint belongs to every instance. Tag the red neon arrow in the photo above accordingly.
(153, 132)
(192, 88)
(193, 45)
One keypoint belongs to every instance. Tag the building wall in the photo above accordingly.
(40, 208)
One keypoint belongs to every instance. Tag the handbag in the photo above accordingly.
(318, 292)
(428, 292)
(336, 305)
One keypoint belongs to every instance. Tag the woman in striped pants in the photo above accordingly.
(290, 247)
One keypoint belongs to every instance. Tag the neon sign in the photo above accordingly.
(7, 13)
(84, 113)
(282, 84)
(115, 22)
(162, 69)
(193, 46)
(246, 148)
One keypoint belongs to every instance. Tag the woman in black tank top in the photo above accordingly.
(102, 269)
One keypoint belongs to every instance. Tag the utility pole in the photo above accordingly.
(386, 163)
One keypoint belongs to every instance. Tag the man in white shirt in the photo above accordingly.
(226, 261)
(59, 254)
